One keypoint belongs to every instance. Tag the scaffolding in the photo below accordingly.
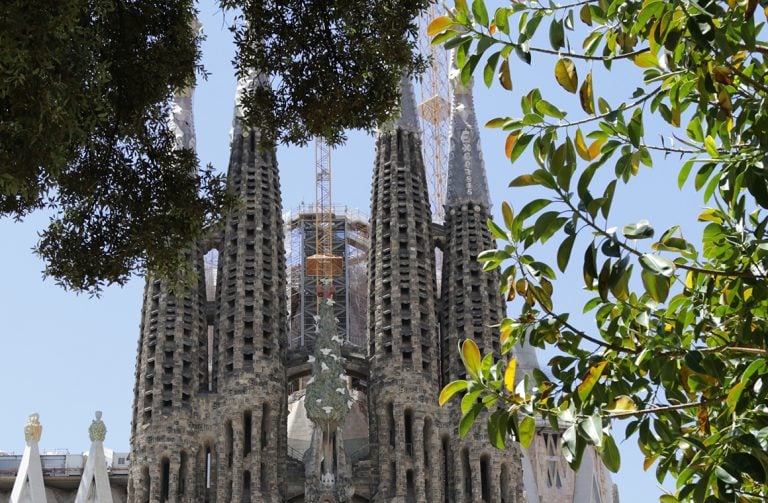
(349, 244)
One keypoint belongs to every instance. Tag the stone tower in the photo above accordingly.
(402, 323)
(211, 427)
(231, 407)
(470, 307)
(250, 327)
(171, 367)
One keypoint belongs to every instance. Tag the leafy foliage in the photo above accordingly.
(679, 354)
(84, 95)
(332, 65)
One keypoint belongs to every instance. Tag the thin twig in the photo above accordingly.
(657, 409)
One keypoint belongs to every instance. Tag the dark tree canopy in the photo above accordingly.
(333, 64)
(84, 97)
(85, 88)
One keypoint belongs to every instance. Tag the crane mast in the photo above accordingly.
(323, 264)
(435, 110)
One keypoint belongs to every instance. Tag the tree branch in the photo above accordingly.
(658, 409)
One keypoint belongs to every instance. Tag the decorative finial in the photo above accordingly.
(98, 430)
(33, 429)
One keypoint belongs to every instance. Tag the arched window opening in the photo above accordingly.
(485, 478)
(504, 484)
(165, 479)
(265, 425)
(427, 440)
(182, 473)
(229, 443)
(393, 479)
(247, 432)
(446, 469)
(391, 423)
(246, 487)
(264, 478)
(208, 467)
(146, 480)
(410, 489)
(409, 432)
(467, 474)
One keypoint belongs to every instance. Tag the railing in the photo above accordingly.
(295, 453)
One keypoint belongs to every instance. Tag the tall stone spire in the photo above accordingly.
(470, 304)
(466, 171)
(402, 328)
(250, 324)
(407, 117)
(172, 358)
(182, 118)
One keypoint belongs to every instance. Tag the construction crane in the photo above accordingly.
(323, 264)
(435, 110)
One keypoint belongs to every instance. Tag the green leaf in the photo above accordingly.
(497, 231)
(470, 355)
(505, 79)
(490, 69)
(589, 381)
(468, 419)
(564, 252)
(556, 34)
(668, 498)
(657, 264)
(709, 144)
(548, 108)
(480, 12)
(469, 399)
(635, 128)
(621, 404)
(585, 15)
(569, 447)
(526, 431)
(520, 146)
(586, 96)
(565, 74)
(640, 230)
(590, 265)
(507, 214)
(592, 429)
(497, 429)
(646, 60)
(610, 454)
(656, 285)
(722, 474)
(684, 172)
(438, 25)
(451, 389)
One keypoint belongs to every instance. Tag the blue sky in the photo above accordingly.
(64, 355)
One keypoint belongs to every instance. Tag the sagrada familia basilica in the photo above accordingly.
(262, 383)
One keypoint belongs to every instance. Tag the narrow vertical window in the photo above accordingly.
(247, 432)
(485, 478)
(165, 475)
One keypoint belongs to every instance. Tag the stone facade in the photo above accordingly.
(215, 374)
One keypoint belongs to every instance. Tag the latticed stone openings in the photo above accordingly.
(275, 412)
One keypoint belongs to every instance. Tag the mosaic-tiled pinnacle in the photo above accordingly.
(466, 170)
